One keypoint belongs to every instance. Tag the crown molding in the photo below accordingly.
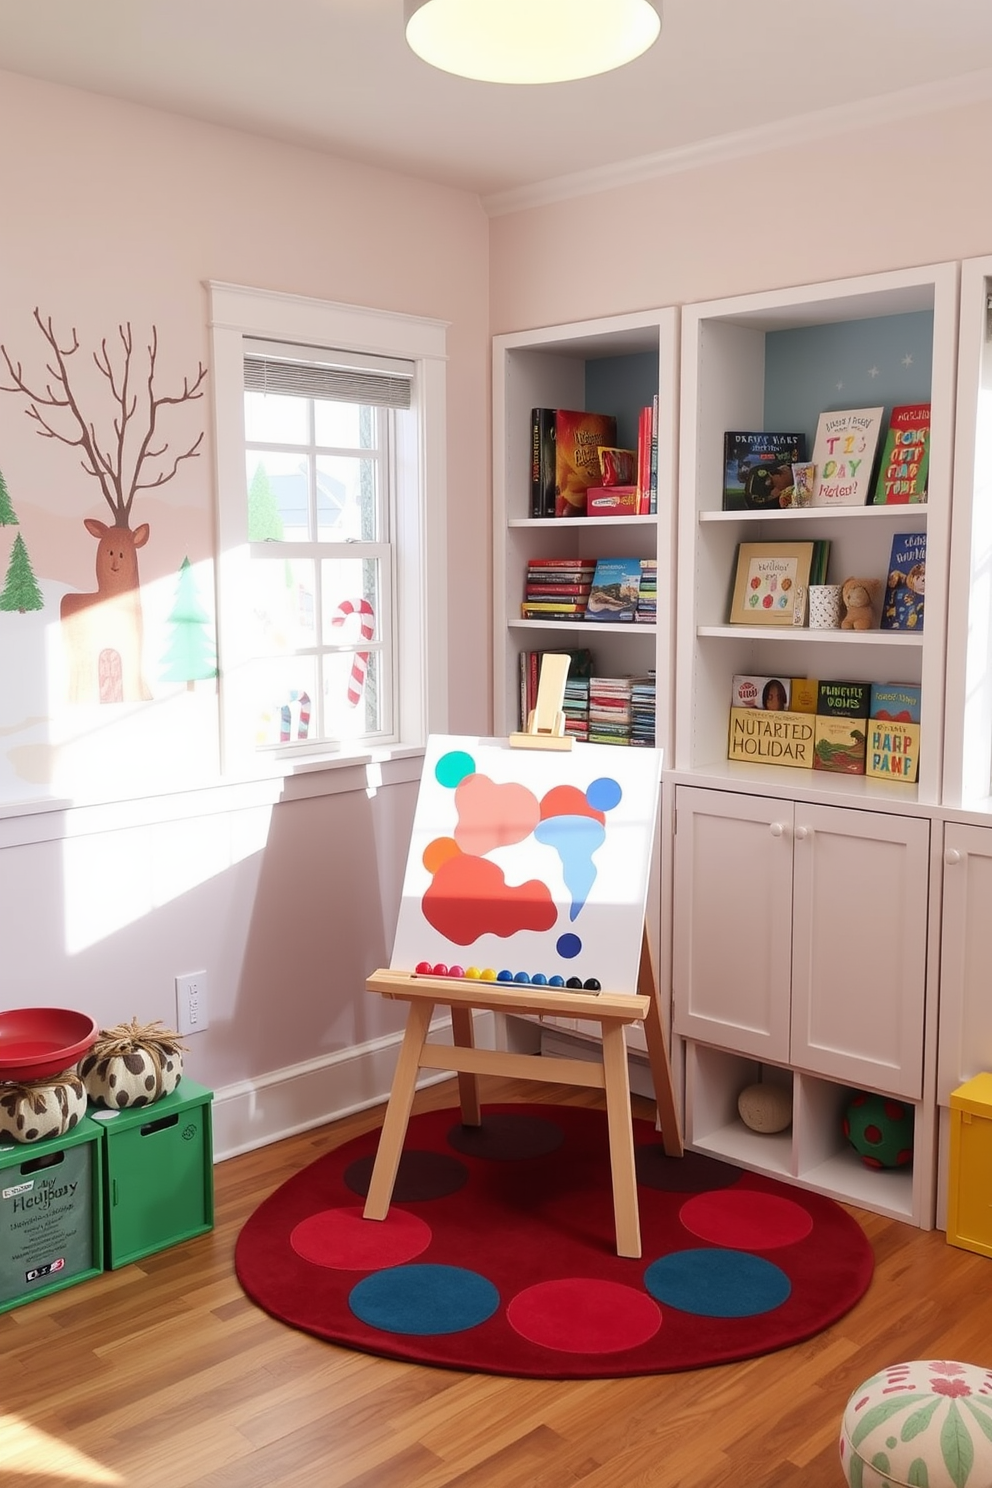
(887, 108)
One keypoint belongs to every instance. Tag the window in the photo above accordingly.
(330, 507)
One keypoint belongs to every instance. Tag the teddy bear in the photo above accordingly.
(859, 598)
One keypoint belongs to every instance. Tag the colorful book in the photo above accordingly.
(771, 693)
(771, 583)
(844, 453)
(542, 468)
(578, 437)
(905, 462)
(757, 468)
(840, 727)
(893, 744)
(615, 588)
(645, 424)
(760, 737)
(902, 606)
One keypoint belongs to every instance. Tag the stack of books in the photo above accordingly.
(575, 706)
(575, 703)
(647, 595)
(557, 588)
(609, 710)
(642, 711)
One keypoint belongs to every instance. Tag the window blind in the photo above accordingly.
(334, 375)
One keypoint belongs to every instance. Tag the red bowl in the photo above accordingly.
(35, 1042)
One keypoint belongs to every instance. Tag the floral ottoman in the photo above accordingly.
(925, 1424)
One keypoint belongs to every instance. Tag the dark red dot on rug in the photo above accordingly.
(746, 1219)
(343, 1240)
(420, 1175)
(582, 1315)
(693, 1172)
(503, 1137)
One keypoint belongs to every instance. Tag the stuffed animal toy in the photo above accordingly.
(859, 598)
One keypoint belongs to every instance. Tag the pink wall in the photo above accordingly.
(902, 194)
(116, 213)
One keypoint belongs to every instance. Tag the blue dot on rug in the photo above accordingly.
(424, 1300)
(717, 1283)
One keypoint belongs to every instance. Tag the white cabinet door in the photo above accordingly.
(965, 1038)
(732, 921)
(860, 946)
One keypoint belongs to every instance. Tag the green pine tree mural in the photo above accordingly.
(191, 653)
(8, 517)
(264, 520)
(21, 591)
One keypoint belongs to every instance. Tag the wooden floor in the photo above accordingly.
(164, 1375)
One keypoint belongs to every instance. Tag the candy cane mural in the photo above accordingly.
(356, 682)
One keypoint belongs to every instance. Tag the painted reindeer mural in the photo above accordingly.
(102, 630)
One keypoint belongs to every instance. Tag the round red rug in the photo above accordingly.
(498, 1252)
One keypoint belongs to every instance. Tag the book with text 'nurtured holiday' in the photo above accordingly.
(902, 606)
(771, 583)
(759, 737)
(844, 453)
(757, 468)
(905, 462)
(615, 588)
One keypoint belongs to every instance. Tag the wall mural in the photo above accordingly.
(21, 590)
(102, 629)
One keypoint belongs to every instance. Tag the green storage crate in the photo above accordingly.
(159, 1185)
(51, 1214)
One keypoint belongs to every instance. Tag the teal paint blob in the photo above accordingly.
(452, 768)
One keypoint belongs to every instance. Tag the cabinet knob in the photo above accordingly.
(802, 833)
(779, 829)
(952, 856)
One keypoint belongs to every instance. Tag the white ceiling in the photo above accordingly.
(337, 75)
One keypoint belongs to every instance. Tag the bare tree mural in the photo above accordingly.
(103, 629)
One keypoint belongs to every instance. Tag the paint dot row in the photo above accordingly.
(489, 974)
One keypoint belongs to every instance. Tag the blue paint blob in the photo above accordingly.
(424, 1300)
(452, 768)
(575, 839)
(539, 979)
(521, 976)
(504, 976)
(605, 793)
(717, 1283)
(556, 981)
(568, 945)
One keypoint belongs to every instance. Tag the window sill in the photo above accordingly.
(266, 784)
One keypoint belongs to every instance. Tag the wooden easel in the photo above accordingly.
(613, 1011)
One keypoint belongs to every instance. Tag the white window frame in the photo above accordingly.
(239, 314)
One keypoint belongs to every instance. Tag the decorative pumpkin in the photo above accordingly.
(33, 1110)
(132, 1065)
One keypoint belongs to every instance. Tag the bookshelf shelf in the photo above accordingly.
(800, 634)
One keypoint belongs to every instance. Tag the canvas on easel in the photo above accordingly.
(530, 861)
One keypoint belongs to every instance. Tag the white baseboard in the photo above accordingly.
(253, 1113)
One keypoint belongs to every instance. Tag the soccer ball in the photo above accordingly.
(880, 1130)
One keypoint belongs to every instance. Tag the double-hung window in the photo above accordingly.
(329, 478)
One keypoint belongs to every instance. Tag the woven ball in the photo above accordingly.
(765, 1108)
(880, 1129)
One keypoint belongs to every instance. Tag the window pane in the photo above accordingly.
(353, 694)
(284, 693)
(343, 425)
(282, 604)
(346, 498)
(273, 419)
(278, 496)
(350, 593)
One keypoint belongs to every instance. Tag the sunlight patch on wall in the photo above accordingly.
(43, 1458)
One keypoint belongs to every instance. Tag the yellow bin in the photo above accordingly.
(969, 1183)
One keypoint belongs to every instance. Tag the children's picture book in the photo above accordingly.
(757, 469)
(771, 584)
(905, 462)
(761, 737)
(844, 451)
(840, 727)
(616, 584)
(772, 693)
(578, 437)
(902, 606)
(893, 745)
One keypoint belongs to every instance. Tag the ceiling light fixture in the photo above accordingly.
(530, 41)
